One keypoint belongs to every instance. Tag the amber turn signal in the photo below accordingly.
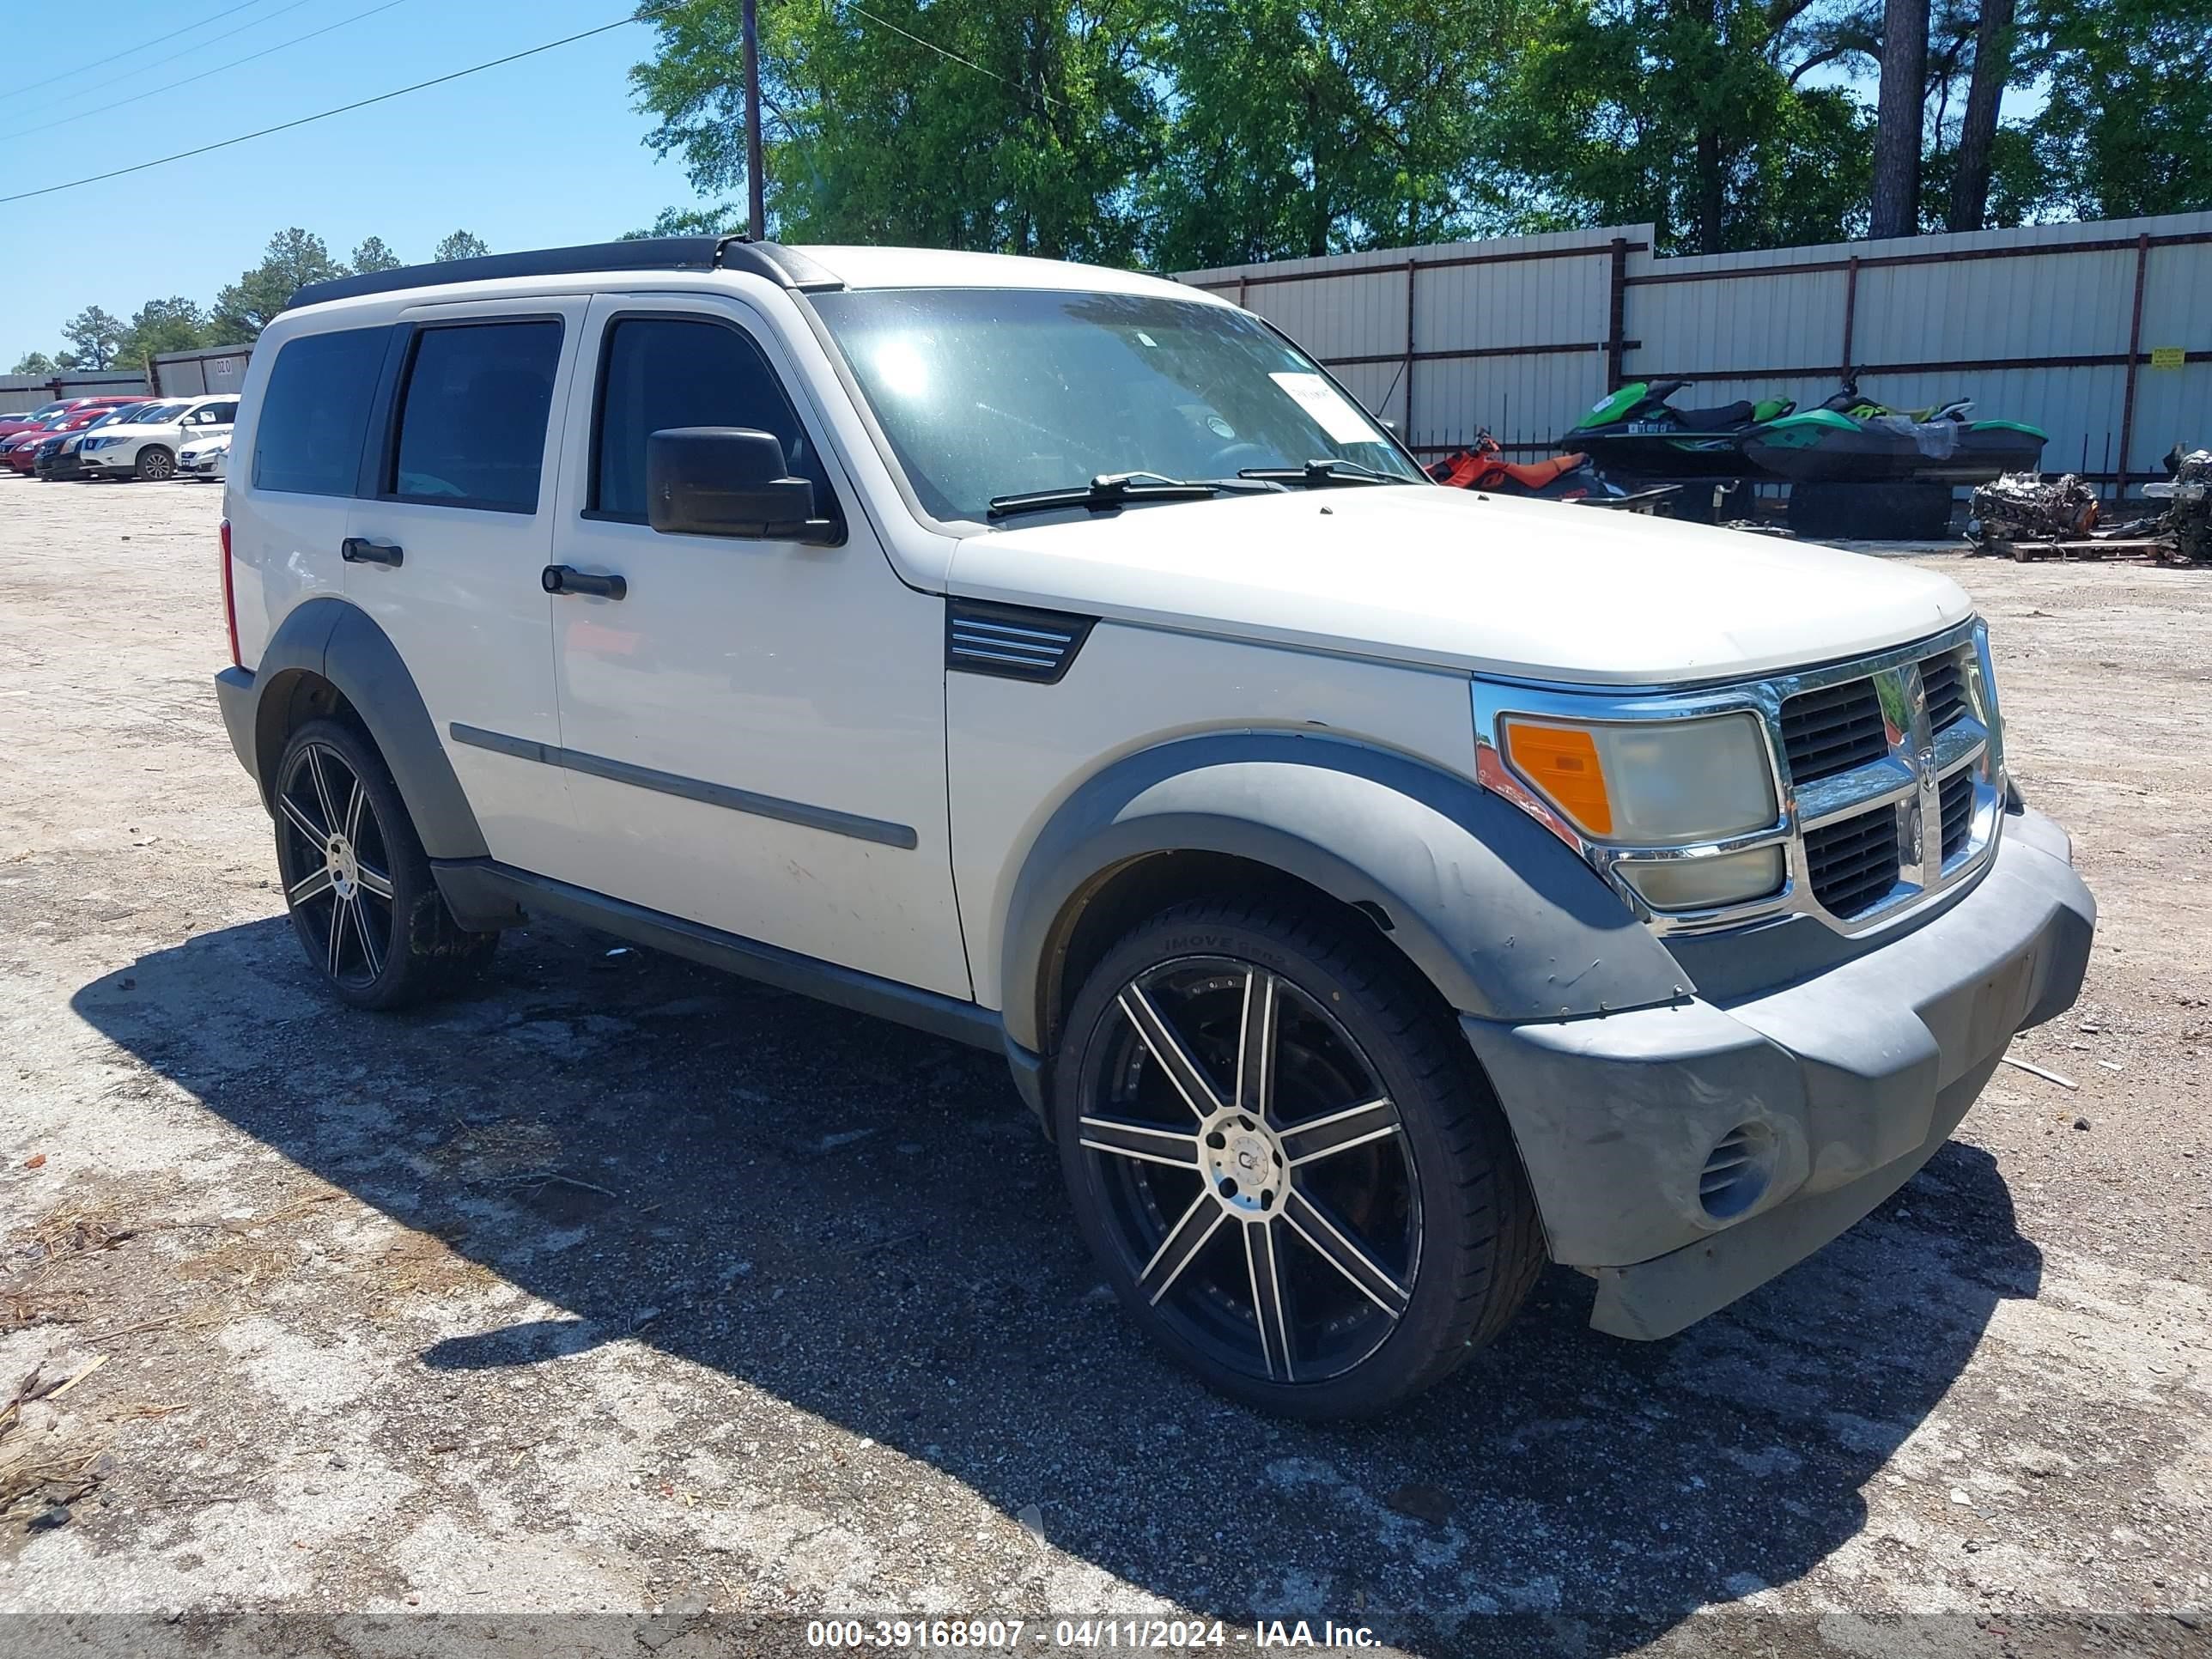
(1562, 762)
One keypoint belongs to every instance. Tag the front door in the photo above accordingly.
(753, 734)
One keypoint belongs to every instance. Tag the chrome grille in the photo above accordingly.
(1853, 864)
(1827, 733)
(1946, 685)
(1957, 798)
(1888, 771)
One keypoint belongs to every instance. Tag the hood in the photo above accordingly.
(1542, 590)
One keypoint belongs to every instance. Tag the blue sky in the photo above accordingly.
(532, 155)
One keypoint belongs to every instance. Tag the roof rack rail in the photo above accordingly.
(787, 267)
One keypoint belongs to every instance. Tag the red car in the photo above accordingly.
(11, 424)
(20, 453)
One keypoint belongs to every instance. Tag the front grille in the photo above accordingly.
(1851, 865)
(1946, 690)
(1833, 730)
(1958, 800)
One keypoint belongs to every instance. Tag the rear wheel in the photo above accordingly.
(359, 888)
(1286, 1162)
(156, 464)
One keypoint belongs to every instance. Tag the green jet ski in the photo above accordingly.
(1636, 433)
(1850, 439)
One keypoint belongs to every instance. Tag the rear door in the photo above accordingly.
(450, 537)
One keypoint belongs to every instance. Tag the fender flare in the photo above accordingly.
(1504, 921)
(342, 643)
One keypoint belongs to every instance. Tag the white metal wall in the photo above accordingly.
(2027, 329)
(194, 374)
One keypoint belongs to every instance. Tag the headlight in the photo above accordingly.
(1661, 784)
(96, 443)
(1651, 783)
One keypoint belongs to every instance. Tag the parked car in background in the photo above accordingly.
(56, 458)
(205, 460)
(147, 447)
(10, 425)
(20, 453)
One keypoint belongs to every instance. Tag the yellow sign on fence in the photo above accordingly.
(2167, 356)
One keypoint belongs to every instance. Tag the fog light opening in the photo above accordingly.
(1736, 1172)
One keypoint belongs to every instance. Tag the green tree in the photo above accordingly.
(1302, 129)
(373, 254)
(172, 324)
(722, 219)
(461, 245)
(2127, 128)
(34, 363)
(294, 258)
(94, 335)
(1026, 139)
(1701, 116)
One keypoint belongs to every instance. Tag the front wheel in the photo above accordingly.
(1290, 1168)
(156, 464)
(363, 902)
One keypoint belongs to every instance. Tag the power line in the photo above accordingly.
(203, 46)
(324, 115)
(200, 23)
(82, 115)
(971, 63)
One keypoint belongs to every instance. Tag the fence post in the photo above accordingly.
(1617, 316)
(2135, 350)
(1409, 350)
(1850, 313)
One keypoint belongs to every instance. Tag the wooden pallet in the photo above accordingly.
(2148, 547)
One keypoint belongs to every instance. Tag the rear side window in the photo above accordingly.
(314, 412)
(663, 372)
(472, 417)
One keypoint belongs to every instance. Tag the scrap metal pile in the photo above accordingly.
(2020, 507)
(2188, 518)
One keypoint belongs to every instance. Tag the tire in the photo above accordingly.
(154, 464)
(353, 866)
(1323, 1235)
(1899, 512)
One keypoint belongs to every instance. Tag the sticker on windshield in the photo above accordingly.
(1328, 407)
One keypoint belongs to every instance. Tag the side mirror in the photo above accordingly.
(728, 481)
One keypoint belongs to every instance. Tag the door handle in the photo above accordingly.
(560, 579)
(359, 549)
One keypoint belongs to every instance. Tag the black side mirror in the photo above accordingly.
(728, 481)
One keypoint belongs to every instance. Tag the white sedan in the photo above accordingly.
(205, 459)
(147, 447)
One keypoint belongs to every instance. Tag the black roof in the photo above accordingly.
(779, 265)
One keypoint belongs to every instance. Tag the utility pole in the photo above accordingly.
(756, 195)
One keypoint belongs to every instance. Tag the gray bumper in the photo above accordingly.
(235, 695)
(1844, 1085)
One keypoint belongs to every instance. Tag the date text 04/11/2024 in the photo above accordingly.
(1176, 1634)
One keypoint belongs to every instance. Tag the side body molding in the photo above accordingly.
(340, 642)
(1503, 919)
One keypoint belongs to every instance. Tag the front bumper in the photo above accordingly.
(1841, 1086)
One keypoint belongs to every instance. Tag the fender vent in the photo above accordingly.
(1011, 641)
(1736, 1172)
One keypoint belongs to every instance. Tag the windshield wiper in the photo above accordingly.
(1323, 474)
(1110, 490)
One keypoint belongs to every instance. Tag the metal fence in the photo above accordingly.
(2099, 333)
(31, 390)
(194, 374)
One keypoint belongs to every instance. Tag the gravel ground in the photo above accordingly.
(625, 1287)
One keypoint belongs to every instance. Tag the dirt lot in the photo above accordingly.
(624, 1286)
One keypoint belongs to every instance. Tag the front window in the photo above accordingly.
(985, 393)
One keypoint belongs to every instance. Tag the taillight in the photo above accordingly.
(230, 600)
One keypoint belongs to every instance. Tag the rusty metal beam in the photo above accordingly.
(2134, 354)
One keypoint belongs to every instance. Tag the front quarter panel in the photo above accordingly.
(1352, 776)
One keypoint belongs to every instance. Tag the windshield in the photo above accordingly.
(156, 414)
(988, 393)
(118, 416)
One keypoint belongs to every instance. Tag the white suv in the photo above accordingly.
(1377, 889)
(147, 447)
